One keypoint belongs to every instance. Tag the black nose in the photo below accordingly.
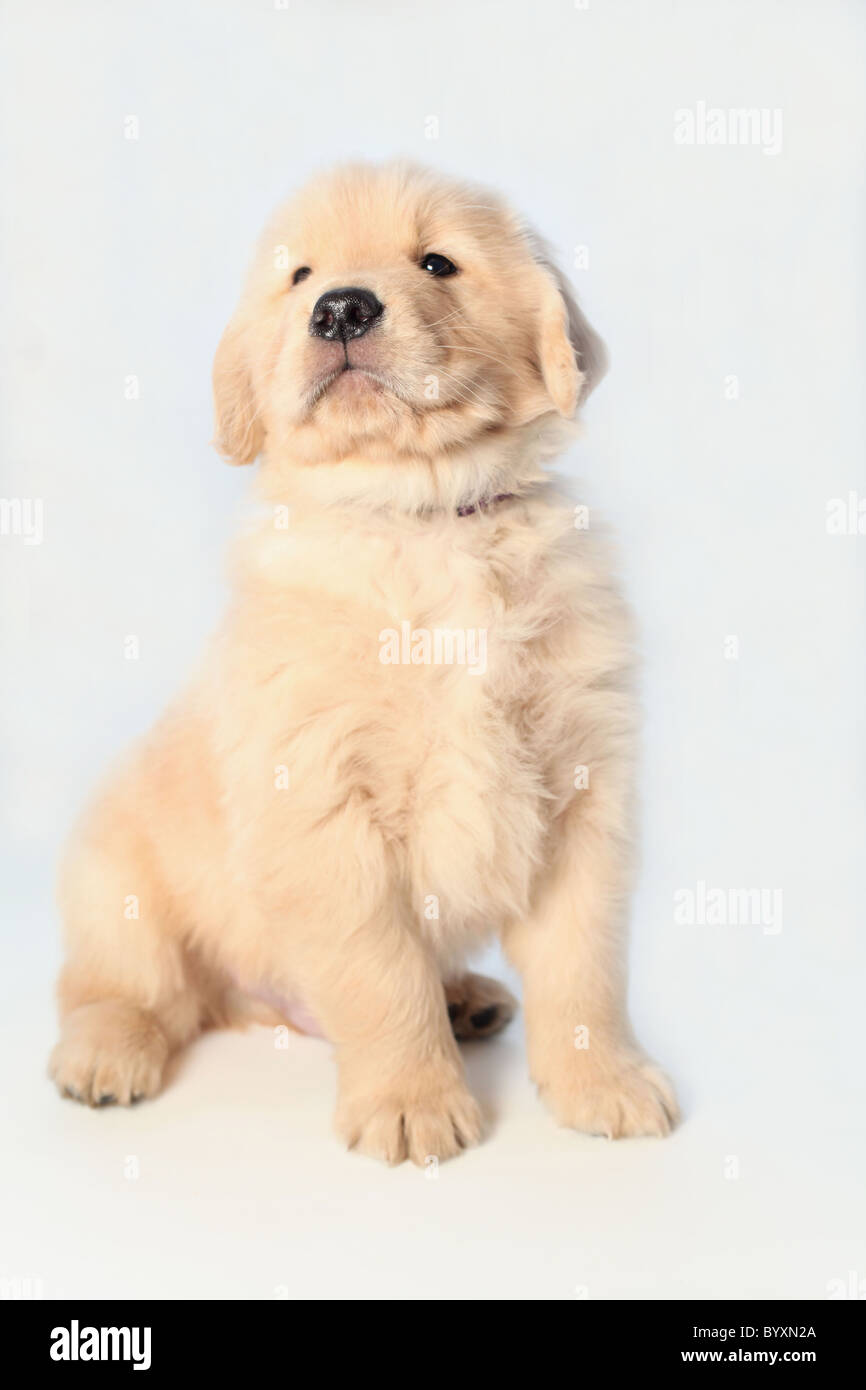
(344, 314)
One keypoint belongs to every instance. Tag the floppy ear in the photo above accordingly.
(238, 431)
(571, 355)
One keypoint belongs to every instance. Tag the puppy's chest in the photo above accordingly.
(454, 771)
(405, 687)
(429, 648)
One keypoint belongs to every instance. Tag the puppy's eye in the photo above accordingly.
(435, 264)
(301, 274)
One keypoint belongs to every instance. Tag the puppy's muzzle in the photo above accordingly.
(345, 314)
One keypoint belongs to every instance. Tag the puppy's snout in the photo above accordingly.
(345, 313)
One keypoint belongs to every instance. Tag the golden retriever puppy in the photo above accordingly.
(415, 728)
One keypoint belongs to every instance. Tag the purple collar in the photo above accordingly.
(484, 503)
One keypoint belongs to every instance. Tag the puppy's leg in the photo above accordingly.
(570, 952)
(127, 993)
(401, 1085)
(478, 1007)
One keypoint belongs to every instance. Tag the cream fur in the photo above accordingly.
(407, 785)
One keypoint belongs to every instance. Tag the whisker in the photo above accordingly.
(459, 347)
(457, 384)
(455, 313)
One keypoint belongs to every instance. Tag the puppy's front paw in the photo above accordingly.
(433, 1118)
(620, 1097)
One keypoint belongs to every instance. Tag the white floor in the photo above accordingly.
(231, 1184)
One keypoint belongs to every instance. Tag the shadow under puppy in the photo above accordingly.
(374, 769)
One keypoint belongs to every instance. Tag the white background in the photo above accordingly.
(123, 257)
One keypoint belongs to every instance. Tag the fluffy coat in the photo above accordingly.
(339, 831)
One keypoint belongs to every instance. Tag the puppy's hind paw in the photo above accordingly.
(109, 1053)
(478, 1007)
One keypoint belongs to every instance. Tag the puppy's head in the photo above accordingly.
(389, 312)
